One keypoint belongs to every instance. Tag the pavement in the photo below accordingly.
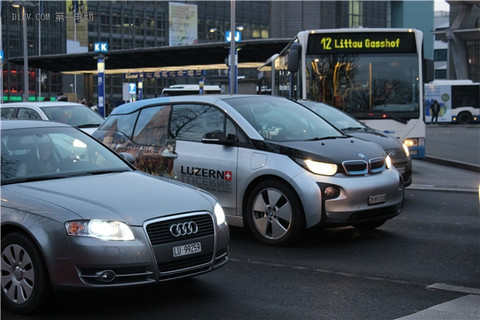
(464, 308)
(454, 145)
(457, 147)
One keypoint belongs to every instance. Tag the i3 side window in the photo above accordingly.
(274, 165)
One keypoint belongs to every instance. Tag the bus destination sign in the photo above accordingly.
(381, 42)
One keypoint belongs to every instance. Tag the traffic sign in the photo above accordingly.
(132, 88)
(228, 36)
(100, 46)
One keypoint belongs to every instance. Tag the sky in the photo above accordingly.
(441, 5)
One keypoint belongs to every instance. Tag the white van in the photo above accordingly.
(187, 89)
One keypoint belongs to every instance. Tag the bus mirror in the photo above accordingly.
(428, 70)
(293, 57)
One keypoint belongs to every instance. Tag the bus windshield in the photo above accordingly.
(367, 85)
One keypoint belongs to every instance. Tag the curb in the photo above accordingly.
(452, 163)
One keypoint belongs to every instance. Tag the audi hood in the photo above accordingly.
(108, 196)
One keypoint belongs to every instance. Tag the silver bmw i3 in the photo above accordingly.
(273, 164)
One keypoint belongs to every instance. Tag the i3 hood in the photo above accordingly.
(334, 150)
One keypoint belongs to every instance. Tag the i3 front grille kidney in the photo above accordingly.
(355, 167)
(376, 165)
(361, 167)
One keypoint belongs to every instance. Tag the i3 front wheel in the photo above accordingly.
(274, 213)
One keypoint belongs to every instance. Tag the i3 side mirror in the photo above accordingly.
(217, 137)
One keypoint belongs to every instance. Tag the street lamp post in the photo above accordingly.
(233, 62)
(232, 59)
(24, 4)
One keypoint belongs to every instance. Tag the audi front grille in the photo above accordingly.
(159, 232)
(165, 234)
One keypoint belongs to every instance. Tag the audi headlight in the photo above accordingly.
(388, 162)
(100, 229)
(219, 214)
(323, 168)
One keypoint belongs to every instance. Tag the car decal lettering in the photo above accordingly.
(208, 179)
(207, 173)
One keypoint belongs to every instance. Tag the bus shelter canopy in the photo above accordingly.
(251, 53)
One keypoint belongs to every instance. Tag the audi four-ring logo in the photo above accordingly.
(183, 229)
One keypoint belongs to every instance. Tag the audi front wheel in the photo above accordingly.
(274, 213)
(25, 282)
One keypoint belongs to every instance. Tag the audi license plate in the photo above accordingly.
(186, 249)
(378, 198)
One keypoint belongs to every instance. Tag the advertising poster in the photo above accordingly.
(444, 97)
(182, 21)
(77, 19)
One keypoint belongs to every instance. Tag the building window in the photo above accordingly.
(441, 74)
(440, 55)
(355, 13)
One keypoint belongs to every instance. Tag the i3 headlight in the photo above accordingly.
(322, 168)
(219, 214)
(100, 229)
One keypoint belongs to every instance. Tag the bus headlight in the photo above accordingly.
(410, 142)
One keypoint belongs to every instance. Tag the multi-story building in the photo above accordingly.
(462, 36)
(121, 24)
(440, 48)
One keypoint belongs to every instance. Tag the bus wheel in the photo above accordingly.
(274, 213)
(464, 117)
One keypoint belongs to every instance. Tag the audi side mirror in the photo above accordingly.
(130, 158)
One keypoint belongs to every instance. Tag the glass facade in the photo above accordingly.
(123, 25)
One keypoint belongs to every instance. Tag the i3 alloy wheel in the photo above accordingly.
(25, 283)
(274, 214)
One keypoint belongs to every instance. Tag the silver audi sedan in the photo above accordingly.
(77, 215)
